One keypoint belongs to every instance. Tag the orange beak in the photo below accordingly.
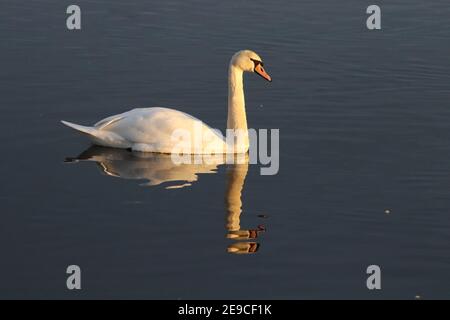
(260, 70)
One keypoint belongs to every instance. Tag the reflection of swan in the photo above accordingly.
(233, 201)
(154, 129)
(153, 167)
(159, 168)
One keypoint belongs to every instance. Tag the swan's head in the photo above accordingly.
(249, 61)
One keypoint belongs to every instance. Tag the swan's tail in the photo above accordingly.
(100, 137)
(83, 129)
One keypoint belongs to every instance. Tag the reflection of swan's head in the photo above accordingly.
(243, 247)
(249, 61)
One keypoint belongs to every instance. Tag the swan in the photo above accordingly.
(164, 130)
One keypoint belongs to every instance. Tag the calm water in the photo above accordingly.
(364, 121)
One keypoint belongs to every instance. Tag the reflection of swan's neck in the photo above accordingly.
(236, 179)
(237, 118)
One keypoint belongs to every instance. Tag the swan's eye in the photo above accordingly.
(256, 62)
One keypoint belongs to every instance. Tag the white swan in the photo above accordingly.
(166, 130)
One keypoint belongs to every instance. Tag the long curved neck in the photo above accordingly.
(237, 118)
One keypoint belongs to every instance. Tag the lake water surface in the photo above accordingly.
(364, 119)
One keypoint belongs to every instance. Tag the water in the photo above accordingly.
(363, 119)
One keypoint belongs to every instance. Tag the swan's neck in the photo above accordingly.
(237, 119)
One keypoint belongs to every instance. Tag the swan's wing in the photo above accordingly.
(102, 124)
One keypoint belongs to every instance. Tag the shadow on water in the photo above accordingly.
(158, 169)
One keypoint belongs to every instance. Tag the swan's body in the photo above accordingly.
(151, 130)
(166, 130)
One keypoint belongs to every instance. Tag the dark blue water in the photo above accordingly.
(364, 128)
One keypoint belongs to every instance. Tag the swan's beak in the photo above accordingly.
(260, 70)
